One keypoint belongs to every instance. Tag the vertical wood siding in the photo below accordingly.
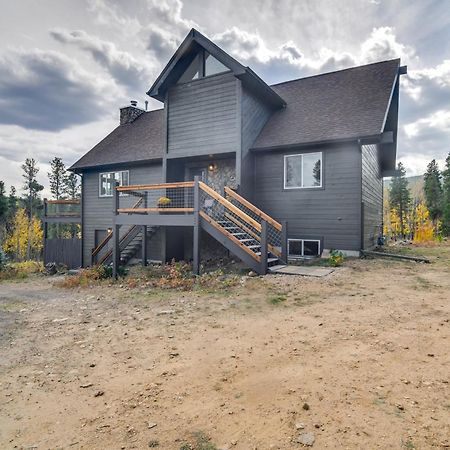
(372, 195)
(332, 213)
(63, 251)
(203, 117)
(98, 211)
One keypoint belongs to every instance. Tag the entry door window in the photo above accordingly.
(201, 172)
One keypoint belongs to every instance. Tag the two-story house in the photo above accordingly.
(282, 171)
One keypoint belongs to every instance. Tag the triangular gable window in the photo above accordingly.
(192, 72)
(203, 65)
(213, 66)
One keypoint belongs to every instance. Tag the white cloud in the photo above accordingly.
(18, 143)
(438, 121)
(47, 90)
(123, 67)
(382, 44)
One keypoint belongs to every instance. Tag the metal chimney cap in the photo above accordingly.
(134, 103)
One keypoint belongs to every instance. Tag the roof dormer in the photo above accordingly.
(198, 57)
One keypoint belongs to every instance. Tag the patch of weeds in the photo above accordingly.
(409, 444)
(153, 443)
(200, 441)
(12, 306)
(423, 282)
(20, 270)
(203, 442)
(89, 276)
(278, 298)
(380, 401)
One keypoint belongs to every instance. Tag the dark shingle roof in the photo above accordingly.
(338, 105)
(141, 140)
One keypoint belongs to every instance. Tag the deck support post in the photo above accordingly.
(115, 230)
(144, 245)
(264, 248)
(196, 231)
(284, 242)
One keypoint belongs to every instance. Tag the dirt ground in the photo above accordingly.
(360, 359)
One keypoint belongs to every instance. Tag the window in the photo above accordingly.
(303, 248)
(192, 72)
(303, 171)
(213, 66)
(107, 179)
(201, 66)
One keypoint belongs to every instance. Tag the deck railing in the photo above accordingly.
(157, 198)
(62, 208)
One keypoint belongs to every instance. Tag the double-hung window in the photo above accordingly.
(303, 171)
(107, 180)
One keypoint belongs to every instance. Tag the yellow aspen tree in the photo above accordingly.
(24, 236)
(424, 228)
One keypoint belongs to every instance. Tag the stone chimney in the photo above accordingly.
(130, 113)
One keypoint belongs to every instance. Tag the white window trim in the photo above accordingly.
(303, 187)
(303, 248)
(100, 181)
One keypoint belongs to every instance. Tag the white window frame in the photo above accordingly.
(121, 172)
(303, 248)
(303, 187)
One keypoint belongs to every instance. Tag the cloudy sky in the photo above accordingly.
(66, 66)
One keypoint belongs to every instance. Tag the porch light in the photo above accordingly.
(212, 167)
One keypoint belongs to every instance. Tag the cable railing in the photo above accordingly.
(95, 258)
(160, 198)
(274, 228)
(217, 210)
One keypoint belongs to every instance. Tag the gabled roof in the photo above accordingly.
(345, 104)
(138, 141)
(184, 55)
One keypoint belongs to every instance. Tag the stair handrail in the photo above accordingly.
(108, 237)
(230, 206)
(261, 214)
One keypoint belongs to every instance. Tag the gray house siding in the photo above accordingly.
(332, 213)
(254, 116)
(98, 211)
(203, 117)
(372, 195)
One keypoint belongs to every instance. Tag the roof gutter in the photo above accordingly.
(79, 170)
(382, 138)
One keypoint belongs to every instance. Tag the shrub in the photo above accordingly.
(336, 258)
(20, 270)
(89, 276)
(2, 260)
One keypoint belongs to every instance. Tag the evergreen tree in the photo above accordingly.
(433, 191)
(56, 177)
(32, 189)
(12, 204)
(3, 215)
(72, 187)
(400, 197)
(446, 197)
(3, 204)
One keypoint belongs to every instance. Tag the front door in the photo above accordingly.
(201, 172)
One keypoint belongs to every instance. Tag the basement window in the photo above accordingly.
(107, 180)
(303, 248)
(303, 171)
